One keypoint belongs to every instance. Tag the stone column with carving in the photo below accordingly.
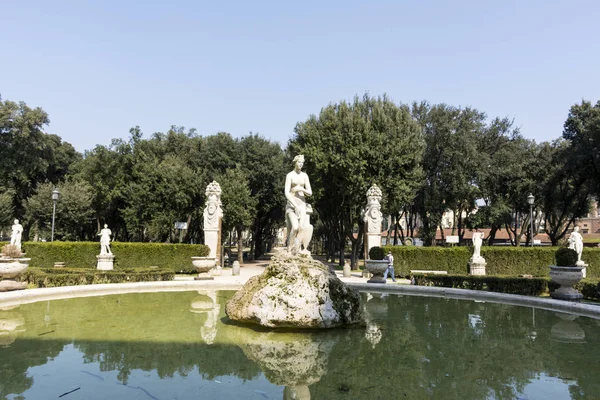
(373, 218)
(212, 219)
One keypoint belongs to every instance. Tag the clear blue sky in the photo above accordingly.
(101, 67)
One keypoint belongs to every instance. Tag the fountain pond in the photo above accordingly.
(180, 345)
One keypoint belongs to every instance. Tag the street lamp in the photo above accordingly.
(530, 200)
(55, 194)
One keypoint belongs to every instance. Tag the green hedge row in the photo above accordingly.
(513, 261)
(175, 257)
(48, 277)
(590, 288)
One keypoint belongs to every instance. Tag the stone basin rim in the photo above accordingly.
(9, 299)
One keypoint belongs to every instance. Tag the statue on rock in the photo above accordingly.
(297, 212)
(17, 232)
(295, 291)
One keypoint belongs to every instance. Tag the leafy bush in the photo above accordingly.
(48, 277)
(10, 250)
(565, 257)
(501, 284)
(590, 288)
(176, 257)
(506, 261)
(376, 253)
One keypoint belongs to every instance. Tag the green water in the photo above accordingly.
(177, 345)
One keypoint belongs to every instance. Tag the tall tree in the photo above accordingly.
(238, 205)
(450, 162)
(74, 215)
(264, 164)
(29, 156)
(582, 130)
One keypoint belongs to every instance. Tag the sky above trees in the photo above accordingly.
(100, 68)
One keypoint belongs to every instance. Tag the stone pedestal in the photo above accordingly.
(236, 268)
(584, 270)
(211, 239)
(10, 268)
(105, 262)
(203, 265)
(347, 269)
(10, 285)
(477, 266)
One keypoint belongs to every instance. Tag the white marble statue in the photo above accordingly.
(297, 213)
(477, 242)
(576, 243)
(17, 232)
(105, 240)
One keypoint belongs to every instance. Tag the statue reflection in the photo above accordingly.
(295, 360)
(206, 303)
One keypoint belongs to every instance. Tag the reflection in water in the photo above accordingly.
(206, 304)
(11, 324)
(176, 345)
(294, 360)
(567, 330)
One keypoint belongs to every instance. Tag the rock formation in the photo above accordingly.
(295, 291)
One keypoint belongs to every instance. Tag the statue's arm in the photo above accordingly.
(307, 188)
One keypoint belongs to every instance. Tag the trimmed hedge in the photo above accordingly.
(511, 261)
(590, 288)
(501, 284)
(52, 277)
(175, 257)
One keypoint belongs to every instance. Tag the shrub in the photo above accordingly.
(565, 257)
(506, 261)
(48, 277)
(376, 253)
(501, 284)
(590, 288)
(10, 250)
(176, 257)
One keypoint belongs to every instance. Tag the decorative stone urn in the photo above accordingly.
(566, 277)
(377, 269)
(203, 265)
(566, 273)
(12, 264)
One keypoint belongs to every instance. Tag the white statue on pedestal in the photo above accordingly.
(576, 243)
(477, 242)
(15, 237)
(105, 240)
(297, 212)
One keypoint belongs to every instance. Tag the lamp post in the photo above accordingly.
(55, 194)
(531, 200)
